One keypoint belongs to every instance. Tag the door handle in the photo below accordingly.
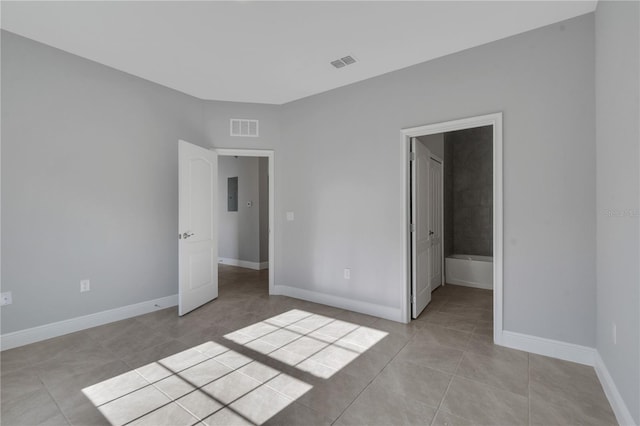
(186, 235)
(431, 233)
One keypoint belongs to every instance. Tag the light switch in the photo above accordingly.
(289, 216)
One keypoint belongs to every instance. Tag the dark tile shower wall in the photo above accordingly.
(469, 191)
(448, 196)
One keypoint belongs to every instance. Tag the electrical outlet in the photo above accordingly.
(614, 334)
(6, 299)
(347, 274)
(290, 216)
(85, 285)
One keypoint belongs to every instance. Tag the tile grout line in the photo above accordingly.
(54, 401)
(499, 388)
(372, 380)
(129, 362)
(529, 388)
(448, 385)
(490, 386)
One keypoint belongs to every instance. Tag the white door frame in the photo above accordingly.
(494, 120)
(270, 154)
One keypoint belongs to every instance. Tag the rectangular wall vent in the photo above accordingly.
(242, 127)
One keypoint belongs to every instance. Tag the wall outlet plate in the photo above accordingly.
(85, 285)
(6, 298)
(347, 274)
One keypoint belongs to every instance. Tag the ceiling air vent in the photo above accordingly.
(338, 63)
(343, 62)
(348, 60)
(246, 128)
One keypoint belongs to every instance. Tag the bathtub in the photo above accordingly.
(469, 270)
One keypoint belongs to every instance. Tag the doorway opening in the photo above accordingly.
(245, 220)
(453, 221)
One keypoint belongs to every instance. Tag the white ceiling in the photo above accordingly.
(272, 52)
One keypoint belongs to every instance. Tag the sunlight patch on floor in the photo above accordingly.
(209, 383)
(314, 343)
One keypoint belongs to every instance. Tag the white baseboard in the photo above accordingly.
(244, 263)
(470, 284)
(623, 415)
(548, 347)
(575, 353)
(47, 331)
(393, 314)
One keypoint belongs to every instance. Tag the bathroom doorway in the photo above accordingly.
(470, 236)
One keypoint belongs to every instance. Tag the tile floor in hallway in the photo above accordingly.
(290, 362)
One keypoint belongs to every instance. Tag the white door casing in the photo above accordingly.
(197, 227)
(435, 222)
(494, 120)
(420, 235)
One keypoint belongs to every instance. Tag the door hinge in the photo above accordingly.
(412, 156)
(412, 228)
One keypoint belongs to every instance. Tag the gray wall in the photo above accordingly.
(470, 183)
(618, 198)
(95, 153)
(448, 200)
(337, 166)
(342, 156)
(239, 232)
(89, 184)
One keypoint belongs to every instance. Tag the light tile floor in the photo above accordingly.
(441, 369)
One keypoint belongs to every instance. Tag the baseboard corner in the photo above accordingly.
(620, 409)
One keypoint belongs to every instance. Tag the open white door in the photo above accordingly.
(197, 227)
(420, 235)
(435, 223)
